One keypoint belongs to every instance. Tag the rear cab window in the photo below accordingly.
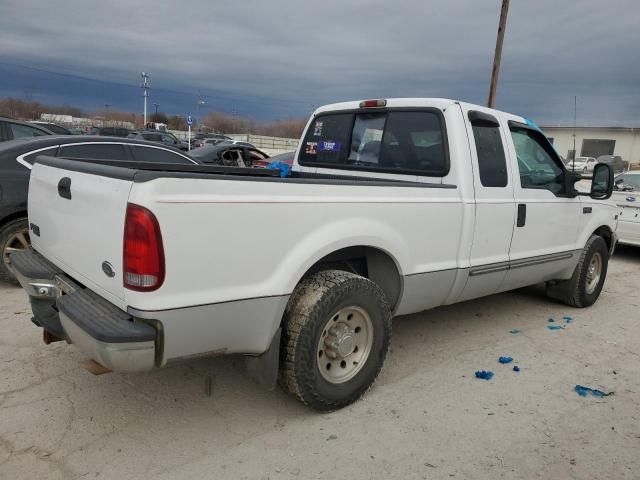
(400, 141)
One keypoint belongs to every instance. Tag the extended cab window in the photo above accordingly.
(537, 163)
(389, 141)
(492, 164)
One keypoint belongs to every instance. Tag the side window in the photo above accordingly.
(157, 155)
(492, 164)
(98, 151)
(22, 131)
(536, 162)
(32, 156)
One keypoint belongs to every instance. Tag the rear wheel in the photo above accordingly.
(14, 237)
(584, 287)
(336, 335)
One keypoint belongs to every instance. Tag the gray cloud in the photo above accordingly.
(294, 55)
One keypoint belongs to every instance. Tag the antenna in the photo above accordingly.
(575, 116)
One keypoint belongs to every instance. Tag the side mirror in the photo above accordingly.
(602, 182)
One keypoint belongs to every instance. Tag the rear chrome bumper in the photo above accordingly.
(103, 332)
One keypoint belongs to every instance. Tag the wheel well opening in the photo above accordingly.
(605, 233)
(13, 216)
(369, 262)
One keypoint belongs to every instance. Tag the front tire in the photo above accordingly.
(584, 287)
(14, 237)
(336, 333)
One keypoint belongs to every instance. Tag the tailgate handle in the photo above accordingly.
(64, 188)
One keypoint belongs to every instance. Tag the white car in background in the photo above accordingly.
(626, 194)
(587, 163)
(576, 165)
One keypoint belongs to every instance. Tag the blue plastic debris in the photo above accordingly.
(551, 320)
(584, 391)
(484, 374)
(505, 359)
(555, 327)
(285, 168)
(516, 368)
(515, 330)
(568, 319)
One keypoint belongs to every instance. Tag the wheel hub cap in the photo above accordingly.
(594, 272)
(344, 344)
(340, 341)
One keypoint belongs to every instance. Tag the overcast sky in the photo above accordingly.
(278, 58)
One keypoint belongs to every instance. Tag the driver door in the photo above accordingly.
(543, 246)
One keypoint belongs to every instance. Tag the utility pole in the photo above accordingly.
(145, 86)
(156, 117)
(498, 53)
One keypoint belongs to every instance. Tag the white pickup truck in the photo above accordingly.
(392, 207)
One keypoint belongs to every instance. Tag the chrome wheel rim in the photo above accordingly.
(19, 241)
(344, 344)
(594, 272)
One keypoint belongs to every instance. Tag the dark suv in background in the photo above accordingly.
(166, 138)
(16, 160)
(110, 131)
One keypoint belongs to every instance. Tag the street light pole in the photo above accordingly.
(498, 53)
(145, 87)
(156, 116)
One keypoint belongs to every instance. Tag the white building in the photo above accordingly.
(596, 141)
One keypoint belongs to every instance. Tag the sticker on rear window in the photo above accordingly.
(311, 148)
(329, 146)
(317, 129)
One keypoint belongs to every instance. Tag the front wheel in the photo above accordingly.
(584, 287)
(336, 334)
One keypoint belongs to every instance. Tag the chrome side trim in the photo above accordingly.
(553, 257)
(523, 262)
(491, 268)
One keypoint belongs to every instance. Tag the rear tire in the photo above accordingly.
(14, 236)
(584, 287)
(336, 333)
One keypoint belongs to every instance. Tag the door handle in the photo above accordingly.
(522, 215)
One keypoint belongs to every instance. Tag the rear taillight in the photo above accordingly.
(143, 255)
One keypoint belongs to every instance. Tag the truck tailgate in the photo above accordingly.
(77, 222)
